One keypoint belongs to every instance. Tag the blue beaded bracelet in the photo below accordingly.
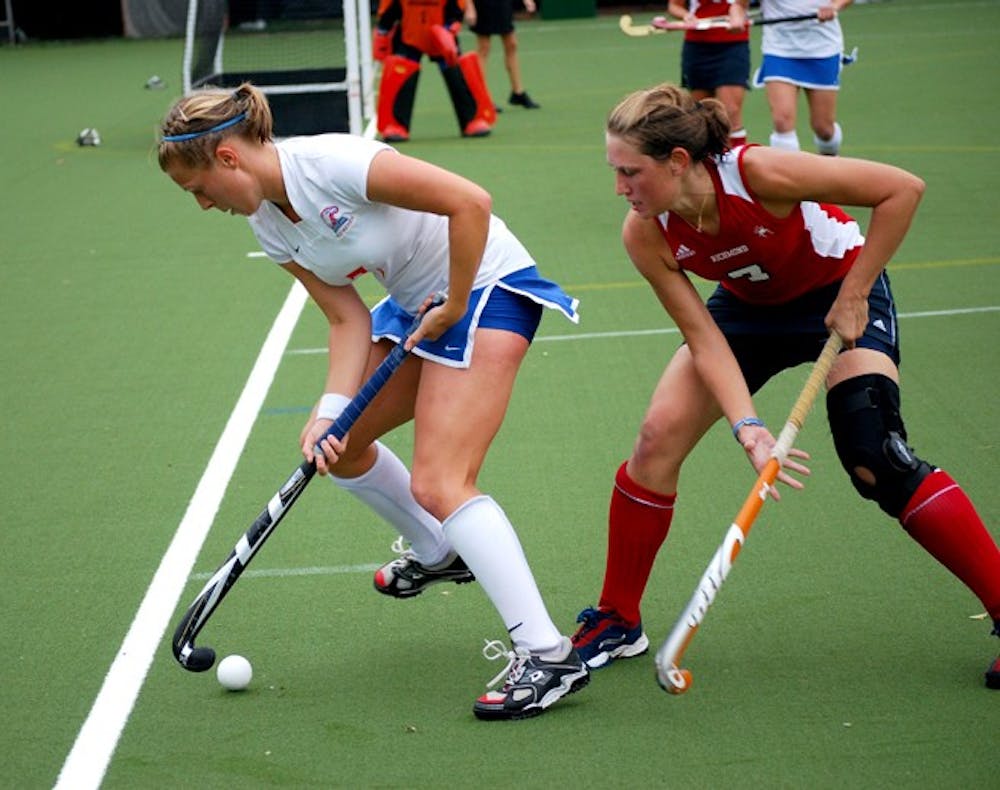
(746, 421)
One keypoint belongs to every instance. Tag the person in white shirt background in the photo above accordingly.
(807, 56)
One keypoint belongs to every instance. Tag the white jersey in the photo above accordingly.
(343, 235)
(807, 39)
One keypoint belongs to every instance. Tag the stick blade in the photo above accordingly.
(199, 659)
(630, 29)
(673, 680)
(193, 659)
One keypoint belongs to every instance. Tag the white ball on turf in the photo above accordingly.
(234, 673)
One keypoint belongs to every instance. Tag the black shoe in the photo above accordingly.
(404, 577)
(993, 673)
(524, 100)
(533, 681)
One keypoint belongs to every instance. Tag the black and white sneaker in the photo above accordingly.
(405, 577)
(533, 682)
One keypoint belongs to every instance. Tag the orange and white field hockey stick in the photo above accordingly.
(668, 672)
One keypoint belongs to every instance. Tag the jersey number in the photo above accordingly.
(753, 272)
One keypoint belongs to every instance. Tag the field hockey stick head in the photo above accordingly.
(672, 679)
(629, 28)
(195, 659)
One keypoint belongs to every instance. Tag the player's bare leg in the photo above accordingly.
(458, 413)
(642, 505)
(513, 66)
(827, 133)
(782, 98)
(732, 97)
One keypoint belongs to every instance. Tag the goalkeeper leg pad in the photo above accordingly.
(471, 98)
(396, 94)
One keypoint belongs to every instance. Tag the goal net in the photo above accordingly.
(312, 58)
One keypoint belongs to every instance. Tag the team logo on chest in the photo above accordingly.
(683, 252)
(339, 223)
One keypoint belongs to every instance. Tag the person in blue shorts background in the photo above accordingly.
(806, 56)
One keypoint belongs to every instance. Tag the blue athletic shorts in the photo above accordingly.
(514, 303)
(705, 66)
(822, 73)
(769, 339)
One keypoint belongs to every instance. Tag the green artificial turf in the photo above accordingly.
(837, 655)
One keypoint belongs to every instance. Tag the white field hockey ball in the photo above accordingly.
(234, 673)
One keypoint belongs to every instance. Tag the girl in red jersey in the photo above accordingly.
(791, 267)
(715, 63)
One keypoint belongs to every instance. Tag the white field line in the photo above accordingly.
(91, 753)
(88, 759)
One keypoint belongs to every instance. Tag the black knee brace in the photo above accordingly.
(868, 433)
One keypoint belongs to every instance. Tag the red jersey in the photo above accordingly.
(760, 258)
(704, 9)
(416, 18)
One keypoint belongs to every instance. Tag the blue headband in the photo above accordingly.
(180, 138)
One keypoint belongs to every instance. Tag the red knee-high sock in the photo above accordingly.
(638, 522)
(942, 519)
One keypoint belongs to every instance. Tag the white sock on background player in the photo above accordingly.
(787, 140)
(830, 147)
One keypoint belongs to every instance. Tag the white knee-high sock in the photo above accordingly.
(385, 488)
(787, 140)
(481, 533)
(830, 147)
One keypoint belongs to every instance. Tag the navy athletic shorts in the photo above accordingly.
(705, 66)
(769, 339)
(493, 18)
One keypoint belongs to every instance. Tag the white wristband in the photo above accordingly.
(331, 405)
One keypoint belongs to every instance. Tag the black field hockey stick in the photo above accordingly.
(669, 673)
(199, 659)
(661, 24)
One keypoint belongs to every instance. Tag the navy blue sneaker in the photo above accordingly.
(604, 636)
(532, 681)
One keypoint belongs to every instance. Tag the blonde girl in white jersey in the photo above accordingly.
(332, 208)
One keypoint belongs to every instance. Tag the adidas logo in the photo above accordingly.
(683, 252)
(878, 323)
